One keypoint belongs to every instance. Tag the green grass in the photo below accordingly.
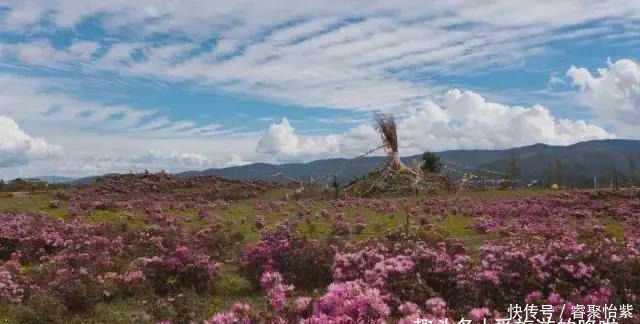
(34, 202)
(5, 315)
(241, 216)
(117, 312)
(231, 284)
(231, 288)
(615, 228)
(459, 227)
(136, 218)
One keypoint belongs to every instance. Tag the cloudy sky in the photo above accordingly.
(94, 86)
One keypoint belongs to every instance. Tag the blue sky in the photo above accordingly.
(104, 86)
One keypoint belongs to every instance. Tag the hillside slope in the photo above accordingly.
(579, 164)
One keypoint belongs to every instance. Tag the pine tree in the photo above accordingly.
(431, 162)
(335, 184)
(632, 170)
(559, 173)
(550, 175)
(1, 184)
(512, 170)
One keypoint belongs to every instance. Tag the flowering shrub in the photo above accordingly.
(339, 225)
(351, 301)
(260, 222)
(274, 287)
(179, 268)
(570, 248)
(239, 314)
(518, 268)
(303, 263)
(359, 225)
(486, 224)
(79, 265)
(10, 290)
(542, 254)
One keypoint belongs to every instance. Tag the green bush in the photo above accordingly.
(41, 307)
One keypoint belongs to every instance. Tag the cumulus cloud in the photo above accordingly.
(613, 94)
(282, 139)
(235, 160)
(463, 120)
(18, 148)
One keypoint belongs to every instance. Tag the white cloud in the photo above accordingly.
(246, 17)
(102, 138)
(335, 54)
(84, 49)
(173, 158)
(225, 47)
(555, 80)
(42, 53)
(119, 53)
(39, 100)
(281, 138)
(614, 94)
(235, 160)
(27, 13)
(464, 120)
(354, 55)
(39, 53)
(152, 160)
(18, 148)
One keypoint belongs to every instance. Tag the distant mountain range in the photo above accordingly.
(572, 165)
(56, 179)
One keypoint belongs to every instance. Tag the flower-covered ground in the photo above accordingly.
(159, 249)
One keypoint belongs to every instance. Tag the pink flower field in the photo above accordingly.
(157, 249)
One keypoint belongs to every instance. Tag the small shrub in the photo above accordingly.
(41, 307)
(304, 263)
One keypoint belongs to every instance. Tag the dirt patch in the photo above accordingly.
(377, 184)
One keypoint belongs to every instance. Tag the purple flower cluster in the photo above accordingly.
(486, 224)
(552, 250)
(275, 289)
(83, 264)
(565, 249)
(10, 290)
(240, 313)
